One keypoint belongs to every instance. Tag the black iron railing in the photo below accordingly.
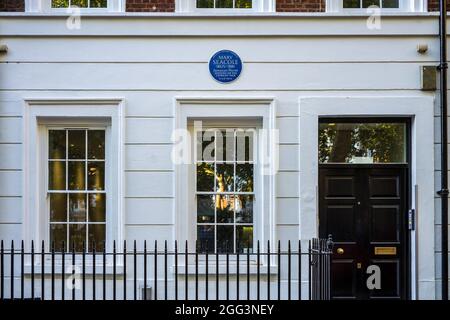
(144, 273)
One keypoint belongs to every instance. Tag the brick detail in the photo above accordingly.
(150, 6)
(300, 5)
(433, 5)
(12, 5)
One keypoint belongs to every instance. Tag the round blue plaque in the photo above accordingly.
(225, 66)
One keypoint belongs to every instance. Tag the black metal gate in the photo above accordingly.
(320, 269)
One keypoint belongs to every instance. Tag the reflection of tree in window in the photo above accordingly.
(224, 177)
(359, 4)
(377, 142)
(225, 209)
(224, 4)
(224, 191)
(205, 177)
(80, 3)
(244, 177)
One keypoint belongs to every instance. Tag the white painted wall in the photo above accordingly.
(148, 61)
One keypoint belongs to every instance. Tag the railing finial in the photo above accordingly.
(330, 243)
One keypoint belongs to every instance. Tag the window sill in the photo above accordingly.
(73, 10)
(68, 269)
(223, 269)
(218, 14)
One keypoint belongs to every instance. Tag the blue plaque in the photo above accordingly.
(225, 66)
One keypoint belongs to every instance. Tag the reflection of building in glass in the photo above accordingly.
(79, 207)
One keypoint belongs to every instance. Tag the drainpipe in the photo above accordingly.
(443, 193)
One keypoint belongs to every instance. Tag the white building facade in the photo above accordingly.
(94, 109)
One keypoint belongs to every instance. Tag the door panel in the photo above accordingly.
(364, 208)
(383, 187)
(390, 280)
(341, 222)
(339, 187)
(384, 222)
(343, 279)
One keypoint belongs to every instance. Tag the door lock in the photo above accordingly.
(359, 265)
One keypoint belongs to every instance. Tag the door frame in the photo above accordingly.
(421, 112)
(406, 253)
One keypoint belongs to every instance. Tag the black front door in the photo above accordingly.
(364, 208)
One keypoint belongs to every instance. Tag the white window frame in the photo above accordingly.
(258, 6)
(231, 110)
(336, 6)
(45, 6)
(39, 114)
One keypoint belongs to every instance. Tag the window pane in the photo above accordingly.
(97, 236)
(96, 144)
(80, 3)
(98, 3)
(225, 237)
(224, 177)
(244, 177)
(205, 177)
(244, 145)
(233, 172)
(76, 175)
(352, 4)
(57, 144)
(96, 175)
(244, 239)
(58, 235)
(362, 143)
(97, 207)
(60, 3)
(77, 236)
(205, 145)
(244, 209)
(368, 3)
(205, 3)
(224, 3)
(391, 4)
(244, 4)
(205, 209)
(205, 238)
(225, 209)
(56, 175)
(77, 207)
(225, 145)
(77, 144)
(58, 207)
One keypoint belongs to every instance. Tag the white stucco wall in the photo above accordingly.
(149, 60)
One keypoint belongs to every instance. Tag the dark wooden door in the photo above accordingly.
(365, 209)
